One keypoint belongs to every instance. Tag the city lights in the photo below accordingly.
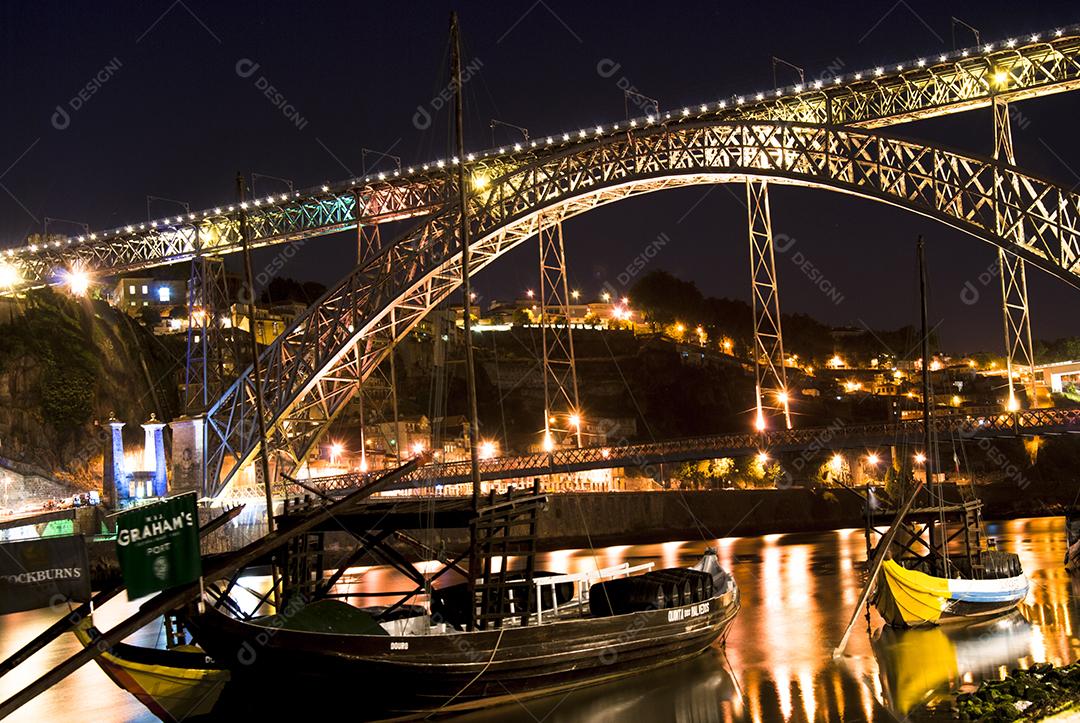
(9, 276)
(549, 443)
(575, 420)
(762, 457)
(605, 296)
(417, 448)
(920, 458)
(487, 449)
(872, 460)
(78, 282)
(836, 464)
(335, 452)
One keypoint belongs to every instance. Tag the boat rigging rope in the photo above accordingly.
(483, 670)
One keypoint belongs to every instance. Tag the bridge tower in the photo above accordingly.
(1014, 295)
(211, 354)
(770, 376)
(557, 339)
(379, 391)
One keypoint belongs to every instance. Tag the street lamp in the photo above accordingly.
(78, 282)
(920, 458)
(872, 460)
(9, 276)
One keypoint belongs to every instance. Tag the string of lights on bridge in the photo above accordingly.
(78, 279)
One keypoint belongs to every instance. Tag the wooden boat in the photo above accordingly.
(450, 670)
(175, 684)
(921, 577)
(909, 598)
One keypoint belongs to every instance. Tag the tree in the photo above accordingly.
(282, 289)
(663, 299)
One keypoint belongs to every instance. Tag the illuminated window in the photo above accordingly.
(163, 294)
(145, 289)
(146, 303)
(131, 289)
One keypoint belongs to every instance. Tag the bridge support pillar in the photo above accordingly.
(188, 455)
(557, 338)
(115, 488)
(770, 376)
(211, 357)
(1014, 295)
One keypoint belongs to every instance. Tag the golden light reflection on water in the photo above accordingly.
(798, 592)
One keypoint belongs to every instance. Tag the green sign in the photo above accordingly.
(158, 545)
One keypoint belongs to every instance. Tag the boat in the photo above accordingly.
(617, 623)
(909, 598)
(933, 565)
(175, 684)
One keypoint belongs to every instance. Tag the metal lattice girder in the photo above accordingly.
(856, 436)
(1014, 294)
(557, 338)
(958, 81)
(211, 351)
(770, 376)
(383, 299)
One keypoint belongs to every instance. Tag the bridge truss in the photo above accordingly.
(381, 300)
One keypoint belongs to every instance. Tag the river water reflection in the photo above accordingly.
(798, 591)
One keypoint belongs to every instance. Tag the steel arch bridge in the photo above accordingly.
(313, 369)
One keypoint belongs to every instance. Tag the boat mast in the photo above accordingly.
(470, 371)
(930, 463)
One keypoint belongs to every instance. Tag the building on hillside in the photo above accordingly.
(132, 294)
(270, 322)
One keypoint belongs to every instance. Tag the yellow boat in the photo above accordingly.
(176, 684)
(908, 598)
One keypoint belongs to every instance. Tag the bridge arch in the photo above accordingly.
(312, 369)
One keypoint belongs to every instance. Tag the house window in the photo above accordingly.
(131, 289)
(145, 289)
(146, 303)
(163, 294)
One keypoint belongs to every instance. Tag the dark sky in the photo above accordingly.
(175, 119)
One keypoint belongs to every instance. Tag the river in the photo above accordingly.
(798, 592)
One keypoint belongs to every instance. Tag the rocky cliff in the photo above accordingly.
(66, 365)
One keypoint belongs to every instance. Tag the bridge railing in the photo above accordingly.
(837, 436)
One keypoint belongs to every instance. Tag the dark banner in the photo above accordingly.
(40, 573)
(158, 545)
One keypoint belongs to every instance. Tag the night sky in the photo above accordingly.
(174, 118)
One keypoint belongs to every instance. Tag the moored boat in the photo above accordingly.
(909, 598)
(176, 684)
(580, 642)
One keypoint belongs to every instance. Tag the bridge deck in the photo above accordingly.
(834, 437)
